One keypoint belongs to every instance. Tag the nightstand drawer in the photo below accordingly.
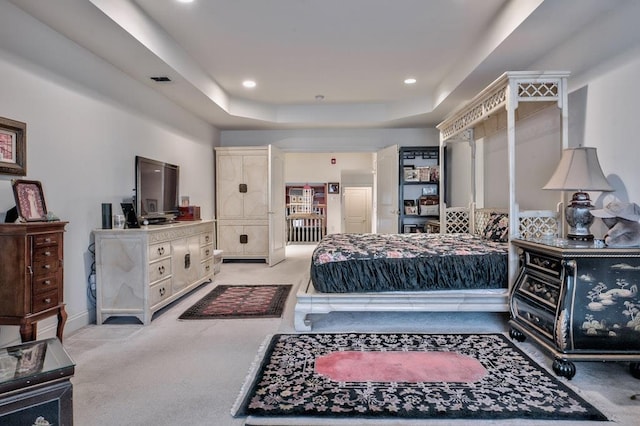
(45, 301)
(546, 264)
(534, 317)
(539, 289)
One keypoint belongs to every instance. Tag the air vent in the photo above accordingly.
(161, 79)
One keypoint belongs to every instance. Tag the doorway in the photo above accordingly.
(356, 210)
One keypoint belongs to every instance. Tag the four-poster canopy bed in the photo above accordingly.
(407, 280)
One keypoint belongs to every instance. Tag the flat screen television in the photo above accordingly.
(156, 189)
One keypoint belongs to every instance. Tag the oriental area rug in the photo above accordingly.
(403, 376)
(240, 301)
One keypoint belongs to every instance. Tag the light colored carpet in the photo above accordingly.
(174, 372)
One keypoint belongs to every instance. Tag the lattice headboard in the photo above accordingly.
(532, 223)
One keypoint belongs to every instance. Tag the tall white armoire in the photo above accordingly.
(250, 203)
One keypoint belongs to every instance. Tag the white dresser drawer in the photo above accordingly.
(158, 251)
(206, 238)
(159, 270)
(159, 292)
(206, 252)
(207, 266)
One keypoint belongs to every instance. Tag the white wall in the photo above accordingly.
(81, 145)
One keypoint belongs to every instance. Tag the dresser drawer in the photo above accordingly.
(44, 268)
(206, 238)
(159, 270)
(44, 284)
(207, 266)
(45, 254)
(158, 251)
(159, 292)
(206, 252)
(548, 265)
(44, 240)
(43, 301)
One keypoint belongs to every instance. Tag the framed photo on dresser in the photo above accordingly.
(29, 200)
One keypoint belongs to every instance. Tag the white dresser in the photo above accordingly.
(139, 271)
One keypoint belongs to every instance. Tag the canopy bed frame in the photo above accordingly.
(514, 95)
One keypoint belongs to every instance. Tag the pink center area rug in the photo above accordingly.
(240, 301)
(403, 376)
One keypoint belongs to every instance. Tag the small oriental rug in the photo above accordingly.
(240, 301)
(404, 376)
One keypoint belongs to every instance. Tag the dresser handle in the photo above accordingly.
(206, 238)
(47, 300)
(47, 240)
(30, 269)
(47, 253)
(46, 282)
(160, 251)
(47, 266)
(207, 268)
(162, 291)
(207, 252)
(161, 269)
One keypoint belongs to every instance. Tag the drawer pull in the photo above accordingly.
(207, 238)
(207, 268)
(47, 300)
(162, 291)
(46, 282)
(207, 252)
(47, 266)
(160, 251)
(47, 240)
(47, 253)
(161, 269)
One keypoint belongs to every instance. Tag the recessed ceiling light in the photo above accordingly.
(249, 84)
(185, 1)
(410, 81)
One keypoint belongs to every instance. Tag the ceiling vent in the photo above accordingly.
(161, 79)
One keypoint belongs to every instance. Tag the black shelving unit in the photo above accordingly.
(419, 197)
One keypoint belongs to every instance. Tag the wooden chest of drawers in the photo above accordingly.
(31, 275)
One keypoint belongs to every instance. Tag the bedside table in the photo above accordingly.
(35, 382)
(578, 302)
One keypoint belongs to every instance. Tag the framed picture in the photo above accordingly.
(29, 200)
(13, 147)
(411, 175)
(410, 210)
(334, 188)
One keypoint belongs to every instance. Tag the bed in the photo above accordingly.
(376, 289)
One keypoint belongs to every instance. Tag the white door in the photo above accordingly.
(387, 190)
(357, 210)
(277, 214)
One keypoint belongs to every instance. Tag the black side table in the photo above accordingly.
(35, 385)
(579, 302)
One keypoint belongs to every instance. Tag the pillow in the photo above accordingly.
(497, 228)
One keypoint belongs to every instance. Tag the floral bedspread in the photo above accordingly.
(347, 263)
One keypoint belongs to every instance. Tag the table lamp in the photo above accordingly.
(579, 170)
